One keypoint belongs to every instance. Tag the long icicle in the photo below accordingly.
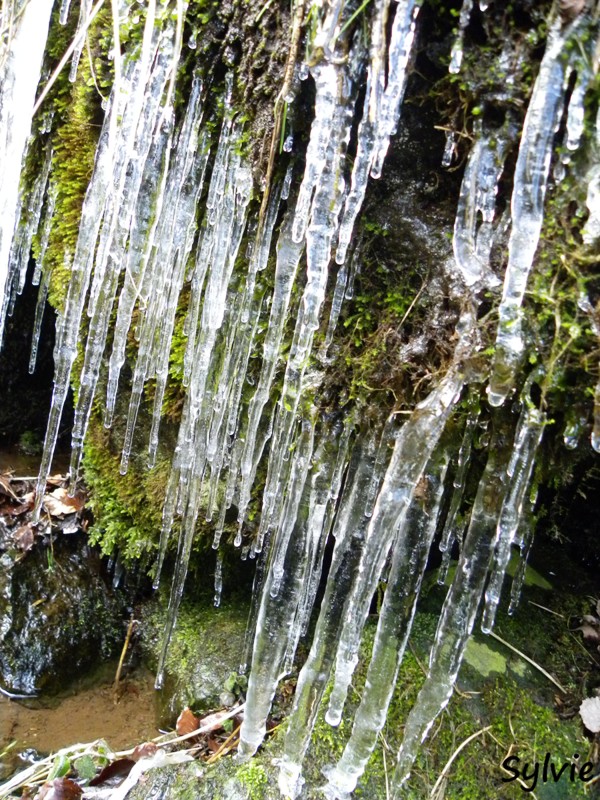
(459, 610)
(368, 462)
(409, 560)
(21, 55)
(414, 446)
(527, 203)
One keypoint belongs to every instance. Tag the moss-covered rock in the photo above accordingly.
(57, 615)
(504, 702)
(204, 654)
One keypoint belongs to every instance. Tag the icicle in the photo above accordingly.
(64, 11)
(45, 235)
(576, 112)
(524, 540)
(334, 90)
(573, 429)
(288, 259)
(279, 601)
(415, 443)
(121, 227)
(230, 191)
(218, 580)
(148, 215)
(409, 560)
(458, 613)
(103, 192)
(449, 148)
(40, 307)
(462, 464)
(26, 230)
(472, 239)
(367, 463)
(527, 439)
(527, 204)
(456, 56)
(21, 53)
(85, 9)
(401, 41)
(367, 130)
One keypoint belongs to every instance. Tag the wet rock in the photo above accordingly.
(57, 614)
(205, 650)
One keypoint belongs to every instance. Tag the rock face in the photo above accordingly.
(206, 648)
(57, 614)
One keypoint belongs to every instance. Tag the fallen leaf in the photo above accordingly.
(5, 487)
(58, 503)
(187, 722)
(590, 714)
(213, 744)
(589, 632)
(116, 769)
(59, 789)
(145, 750)
(24, 538)
(213, 722)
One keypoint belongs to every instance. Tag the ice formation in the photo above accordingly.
(170, 226)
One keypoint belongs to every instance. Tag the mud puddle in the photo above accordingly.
(84, 715)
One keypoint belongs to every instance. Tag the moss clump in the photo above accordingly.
(207, 646)
(76, 113)
(127, 508)
(254, 776)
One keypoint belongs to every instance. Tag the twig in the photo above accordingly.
(387, 782)
(67, 54)
(130, 627)
(280, 103)
(216, 755)
(549, 610)
(460, 747)
(529, 661)
(198, 732)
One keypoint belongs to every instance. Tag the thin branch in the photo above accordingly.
(460, 747)
(529, 661)
(67, 54)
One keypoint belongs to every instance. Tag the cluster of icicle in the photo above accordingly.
(377, 493)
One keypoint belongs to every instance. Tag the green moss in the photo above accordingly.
(76, 121)
(253, 776)
(127, 508)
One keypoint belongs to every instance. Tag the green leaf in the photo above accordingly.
(60, 768)
(86, 769)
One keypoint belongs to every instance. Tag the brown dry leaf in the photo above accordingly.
(55, 480)
(187, 722)
(5, 487)
(214, 721)
(145, 750)
(59, 789)
(117, 769)
(58, 503)
(590, 627)
(24, 538)
(213, 744)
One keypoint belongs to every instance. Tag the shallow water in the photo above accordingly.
(86, 714)
(22, 465)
